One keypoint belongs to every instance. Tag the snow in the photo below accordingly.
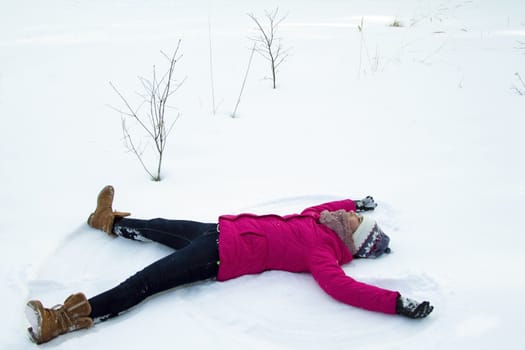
(428, 123)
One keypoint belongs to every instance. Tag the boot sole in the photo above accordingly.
(35, 320)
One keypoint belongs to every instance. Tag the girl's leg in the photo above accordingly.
(197, 261)
(173, 233)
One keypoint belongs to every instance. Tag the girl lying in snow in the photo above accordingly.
(319, 241)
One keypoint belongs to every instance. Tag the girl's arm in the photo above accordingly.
(333, 280)
(346, 204)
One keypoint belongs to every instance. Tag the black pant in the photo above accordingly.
(195, 258)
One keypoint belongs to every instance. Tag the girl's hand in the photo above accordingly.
(365, 204)
(413, 309)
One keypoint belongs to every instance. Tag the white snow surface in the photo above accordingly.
(424, 117)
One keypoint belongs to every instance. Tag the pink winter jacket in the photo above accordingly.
(250, 244)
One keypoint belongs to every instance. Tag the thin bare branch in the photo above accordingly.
(132, 148)
(519, 90)
(168, 132)
(132, 112)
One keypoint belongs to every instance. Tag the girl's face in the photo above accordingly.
(355, 220)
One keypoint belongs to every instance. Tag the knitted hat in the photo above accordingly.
(368, 241)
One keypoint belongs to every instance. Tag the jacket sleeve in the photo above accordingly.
(333, 280)
(346, 204)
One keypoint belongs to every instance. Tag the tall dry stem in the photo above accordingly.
(234, 114)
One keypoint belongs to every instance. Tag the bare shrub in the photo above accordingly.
(267, 41)
(152, 116)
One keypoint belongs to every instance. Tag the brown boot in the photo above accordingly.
(104, 216)
(47, 324)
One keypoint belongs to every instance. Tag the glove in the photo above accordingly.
(412, 309)
(365, 204)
